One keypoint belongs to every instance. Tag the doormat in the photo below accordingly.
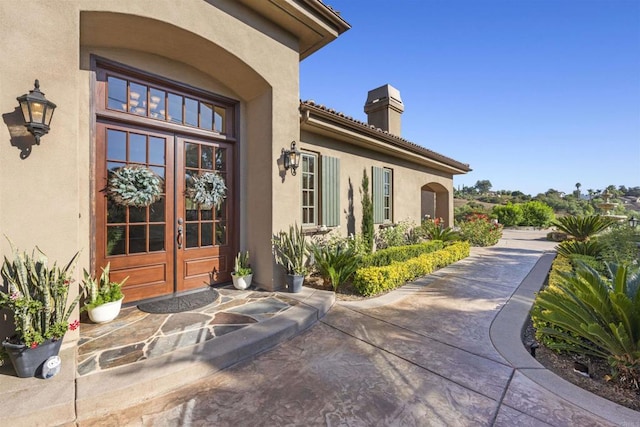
(180, 303)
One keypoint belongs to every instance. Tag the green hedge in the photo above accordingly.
(399, 253)
(373, 280)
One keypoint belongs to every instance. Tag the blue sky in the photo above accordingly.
(533, 94)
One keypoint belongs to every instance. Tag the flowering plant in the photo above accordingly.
(134, 186)
(479, 230)
(37, 297)
(208, 189)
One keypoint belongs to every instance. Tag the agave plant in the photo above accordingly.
(583, 227)
(336, 264)
(290, 249)
(589, 314)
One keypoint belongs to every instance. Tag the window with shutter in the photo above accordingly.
(330, 191)
(382, 188)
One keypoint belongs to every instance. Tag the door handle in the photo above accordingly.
(180, 236)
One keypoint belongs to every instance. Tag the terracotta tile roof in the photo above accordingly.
(389, 137)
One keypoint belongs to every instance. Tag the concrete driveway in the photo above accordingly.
(424, 355)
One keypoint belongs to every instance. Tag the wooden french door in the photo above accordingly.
(204, 254)
(174, 244)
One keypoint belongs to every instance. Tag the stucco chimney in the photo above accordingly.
(384, 108)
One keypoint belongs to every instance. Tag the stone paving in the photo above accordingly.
(136, 336)
(423, 359)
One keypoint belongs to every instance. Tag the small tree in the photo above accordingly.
(483, 186)
(367, 213)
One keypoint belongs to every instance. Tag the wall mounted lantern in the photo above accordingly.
(291, 158)
(37, 111)
(633, 222)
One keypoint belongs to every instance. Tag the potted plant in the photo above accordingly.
(36, 295)
(289, 250)
(103, 297)
(242, 273)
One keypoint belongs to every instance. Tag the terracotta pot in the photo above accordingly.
(27, 361)
(105, 312)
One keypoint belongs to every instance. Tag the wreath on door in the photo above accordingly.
(207, 189)
(135, 185)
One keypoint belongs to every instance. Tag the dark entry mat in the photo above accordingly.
(178, 304)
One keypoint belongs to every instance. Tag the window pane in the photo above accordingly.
(137, 238)
(206, 238)
(219, 120)
(206, 214)
(137, 214)
(157, 104)
(221, 233)
(117, 98)
(192, 235)
(138, 99)
(115, 240)
(192, 155)
(137, 148)
(206, 116)
(156, 238)
(156, 211)
(156, 150)
(115, 213)
(221, 159)
(175, 108)
(191, 112)
(206, 157)
(116, 145)
(160, 172)
(221, 211)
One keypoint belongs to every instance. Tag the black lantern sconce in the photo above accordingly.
(291, 158)
(633, 222)
(37, 112)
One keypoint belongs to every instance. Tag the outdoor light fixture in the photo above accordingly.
(633, 222)
(37, 111)
(291, 158)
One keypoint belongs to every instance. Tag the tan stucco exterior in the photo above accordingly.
(246, 51)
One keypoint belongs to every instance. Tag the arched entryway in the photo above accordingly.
(435, 202)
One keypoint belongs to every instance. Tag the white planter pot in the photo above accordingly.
(105, 312)
(241, 282)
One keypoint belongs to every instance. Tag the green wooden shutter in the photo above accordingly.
(330, 191)
(377, 186)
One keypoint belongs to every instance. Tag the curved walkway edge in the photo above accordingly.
(506, 336)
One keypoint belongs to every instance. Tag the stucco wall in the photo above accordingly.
(408, 180)
(46, 198)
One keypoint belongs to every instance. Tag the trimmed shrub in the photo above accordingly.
(508, 215)
(399, 253)
(371, 281)
(537, 214)
(620, 245)
(478, 230)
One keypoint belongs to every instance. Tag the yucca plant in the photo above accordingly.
(37, 297)
(241, 264)
(290, 250)
(101, 290)
(336, 264)
(582, 228)
(589, 314)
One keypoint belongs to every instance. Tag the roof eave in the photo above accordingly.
(312, 22)
(344, 129)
